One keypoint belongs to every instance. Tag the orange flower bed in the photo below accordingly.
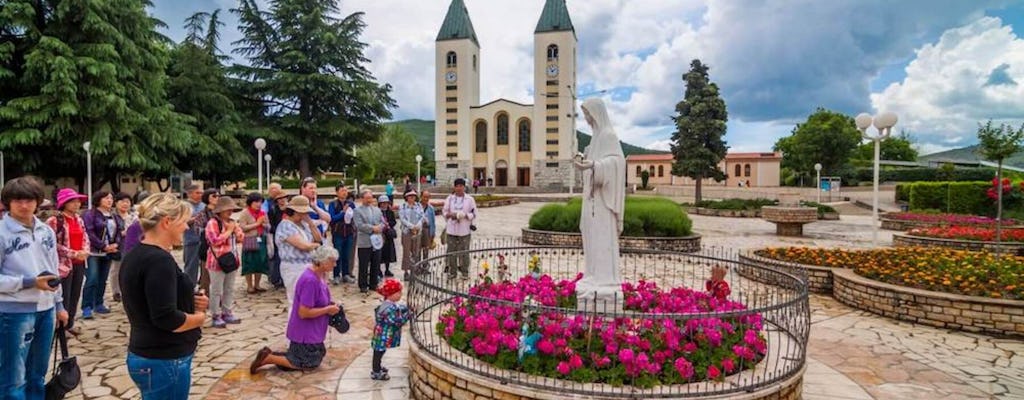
(932, 268)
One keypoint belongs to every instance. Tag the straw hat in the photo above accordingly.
(299, 204)
(226, 203)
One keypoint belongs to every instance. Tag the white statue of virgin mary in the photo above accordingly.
(603, 168)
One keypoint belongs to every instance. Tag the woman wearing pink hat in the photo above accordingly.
(72, 249)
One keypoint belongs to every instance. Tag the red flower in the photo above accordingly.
(713, 372)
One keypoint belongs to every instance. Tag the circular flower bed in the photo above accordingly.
(969, 233)
(937, 269)
(947, 219)
(528, 326)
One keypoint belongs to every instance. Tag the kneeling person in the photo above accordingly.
(307, 324)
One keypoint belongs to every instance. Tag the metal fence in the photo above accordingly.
(782, 304)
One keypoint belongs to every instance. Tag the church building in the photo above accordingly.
(510, 143)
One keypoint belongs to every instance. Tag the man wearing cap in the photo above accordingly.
(369, 223)
(410, 219)
(460, 211)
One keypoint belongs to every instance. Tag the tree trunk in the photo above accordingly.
(304, 166)
(999, 205)
(697, 189)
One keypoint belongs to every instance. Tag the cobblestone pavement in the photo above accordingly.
(852, 354)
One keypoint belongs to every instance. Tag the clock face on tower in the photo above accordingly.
(552, 70)
(450, 77)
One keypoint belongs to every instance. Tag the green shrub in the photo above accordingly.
(644, 216)
(940, 174)
(737, 204)
(970, 198)
(903, 192)
(822, 208)
(929, 195)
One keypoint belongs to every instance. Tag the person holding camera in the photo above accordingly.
(309, 317)
(105, 229)
(30, 293)
(296, 238)
(460, 212)
(164, 310)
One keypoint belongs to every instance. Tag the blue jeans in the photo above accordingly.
(95, 282)
(344, 246)
(161, 379)
(25, 340)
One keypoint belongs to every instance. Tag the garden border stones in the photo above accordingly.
(714, 212)
(906, 240)
(682, 244)
(819, 278)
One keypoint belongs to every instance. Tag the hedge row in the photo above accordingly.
(920, 175)
(949, 197)
(737, 204)
(644, 217)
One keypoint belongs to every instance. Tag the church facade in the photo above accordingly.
(502, 141)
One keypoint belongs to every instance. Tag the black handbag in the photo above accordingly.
(66, 375)
(339, 321)
(227, 262)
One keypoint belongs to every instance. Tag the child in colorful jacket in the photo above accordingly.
(390, 316)
(717, 287)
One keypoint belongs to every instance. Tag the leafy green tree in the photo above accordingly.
(645, 176)
(827, 137)
(200, 88)
(893, 148)
(75, 71)
(392, 155)
(997, 144)
(307, 69)
(697, 144)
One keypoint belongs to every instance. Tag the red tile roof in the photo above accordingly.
(728, 156)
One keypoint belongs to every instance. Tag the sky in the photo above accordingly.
(942, 65)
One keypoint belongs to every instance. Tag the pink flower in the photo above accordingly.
(575, 361)
(728, 365)
(690, 347)
(545, 347)
(684, 367)
(563, 368)
(626, 356)
(713, 372)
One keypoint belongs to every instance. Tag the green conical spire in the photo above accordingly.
(555, 17)
(457, 24)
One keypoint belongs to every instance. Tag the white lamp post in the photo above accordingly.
(355, 181)
(267, 159)
(260, 145)
(3, 177)
(884, 123)
(419, 159)
(88, 170)
(817, 180)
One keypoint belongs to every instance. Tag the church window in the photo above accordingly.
(524, 135)
(503, 129)
(661, 171)
(746, 170)
(452, 59)
(651, 173)
(639, 171)
(481, 137)
(737, 174)
(552, 52)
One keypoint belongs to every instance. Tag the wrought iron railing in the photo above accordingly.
(782, 305)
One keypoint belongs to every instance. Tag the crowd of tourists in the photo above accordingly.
(59, 261)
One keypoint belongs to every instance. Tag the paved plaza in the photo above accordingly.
(852, 354)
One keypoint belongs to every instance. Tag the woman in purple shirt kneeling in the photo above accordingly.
(307, 325)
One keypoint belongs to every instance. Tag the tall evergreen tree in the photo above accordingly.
(307, 69)
(86, 70)
(697, 144)
(199, 87)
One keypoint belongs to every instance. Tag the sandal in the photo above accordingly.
(261, 356)
(379, 376)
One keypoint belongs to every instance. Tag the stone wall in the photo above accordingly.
(711, 212)
(943, 310)
(686, 244)
(445, 175)
(497, 203)
(559, 177)
(433, 379)
(905, 240)
(819, 279)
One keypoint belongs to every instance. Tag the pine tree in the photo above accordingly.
(87, 70)
(307, 69)
(697, 143)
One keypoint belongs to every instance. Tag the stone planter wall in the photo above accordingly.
(685, 244)
(497, 203)
(433, 379)
(713, 212)
(905, 240)
(819, 279)
(904, 225)
(943, 310)
(829, 216)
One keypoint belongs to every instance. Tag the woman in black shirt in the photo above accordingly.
(164, 312)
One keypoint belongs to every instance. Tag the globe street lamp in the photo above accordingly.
(884, 123)
(419, 159)
(260, 145)
(817, 180)
(267, 159)
(88, 170)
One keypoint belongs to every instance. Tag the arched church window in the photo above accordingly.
(661, 171)
(746, 170)
(552, 52)
(524, 135)
(481, 137)
(737, 174)
(503, 129)
(452, 59)
(639, 171)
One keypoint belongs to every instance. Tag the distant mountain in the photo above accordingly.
(970, 153)
(423, 131)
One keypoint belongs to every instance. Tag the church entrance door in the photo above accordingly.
(523, 177)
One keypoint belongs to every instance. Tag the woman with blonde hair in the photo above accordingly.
(164, 313)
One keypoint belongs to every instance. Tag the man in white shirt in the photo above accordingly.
(460, 212)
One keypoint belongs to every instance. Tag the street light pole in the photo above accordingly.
(355, 181)
(267, 158)
(817, 180)
(260, 145)
(88, 170)
(419, 159)
(3, 177)
(884, 123)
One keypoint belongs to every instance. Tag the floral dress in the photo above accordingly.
(388, 332)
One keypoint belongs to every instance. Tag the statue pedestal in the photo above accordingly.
(603, 298)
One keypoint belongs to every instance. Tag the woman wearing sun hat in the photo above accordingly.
(411, 217)
(72, 249)
(225, 236)
(296, 238)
